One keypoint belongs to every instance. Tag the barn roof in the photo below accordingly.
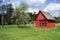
(47, 15)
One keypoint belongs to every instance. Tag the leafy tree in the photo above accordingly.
(32, 15)
(9, 13)
(57, 19)
(20, 15)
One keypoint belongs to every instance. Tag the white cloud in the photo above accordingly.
(37, 5)
(29, 2)
(52, 7)
(32, 10)
(15, 3)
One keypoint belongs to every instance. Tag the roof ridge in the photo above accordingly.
(47, 15)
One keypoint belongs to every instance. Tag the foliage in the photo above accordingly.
(32, 15)
(20, 15)
(57, 19)
(7, 12)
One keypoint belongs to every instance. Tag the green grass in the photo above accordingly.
(13, 33)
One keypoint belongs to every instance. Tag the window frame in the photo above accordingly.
(43, 23)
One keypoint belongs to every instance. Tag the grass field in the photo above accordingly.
(30, 33)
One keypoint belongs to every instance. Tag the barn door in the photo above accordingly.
(43, 23)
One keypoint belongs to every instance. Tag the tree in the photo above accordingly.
(32, 15)
(2, 11)
(20, 15)
(9, 13)
(6, 12)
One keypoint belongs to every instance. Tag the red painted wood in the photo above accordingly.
(40, 16)
(50, 24)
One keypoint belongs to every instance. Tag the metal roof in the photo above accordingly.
(48, 15)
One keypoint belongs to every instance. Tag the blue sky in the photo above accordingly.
(51, 6)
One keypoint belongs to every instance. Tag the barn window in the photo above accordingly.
(43, 23)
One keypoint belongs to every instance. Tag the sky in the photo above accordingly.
(51, 6)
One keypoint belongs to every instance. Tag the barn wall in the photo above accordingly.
(51, 24)
(36, 23)
(40, 17)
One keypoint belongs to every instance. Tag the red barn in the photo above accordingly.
(44, 20)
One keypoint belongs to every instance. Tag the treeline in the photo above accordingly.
(57, 19)
(6, 13)
(18, 15)
(15, 16)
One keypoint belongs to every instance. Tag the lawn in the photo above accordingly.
(14, 33)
